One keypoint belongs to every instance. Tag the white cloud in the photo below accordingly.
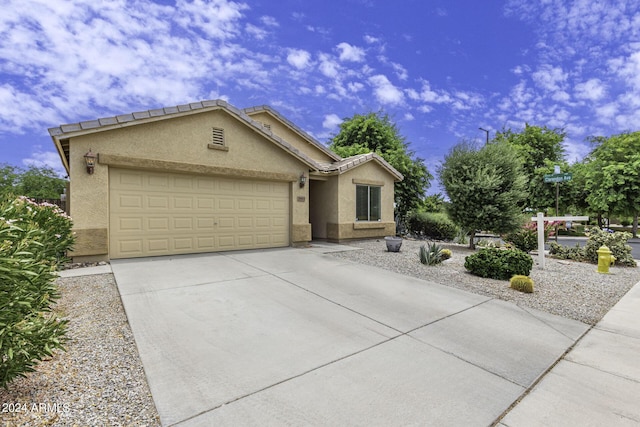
(328, 67)
(401, 72)
(628, 69)
(384, 91)
(428, 95)
(549, 77)
(370, 39)
(331, 121)
(269, 21)
(41, 159)
(355, 87)
(216, 18)
(409, 117)
(350, 53)
(256, 32)
(299, 58)
(86, 59)
(592, 90)
(607, 111)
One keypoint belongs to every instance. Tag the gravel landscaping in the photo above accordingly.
(100, 379)
(566, 288)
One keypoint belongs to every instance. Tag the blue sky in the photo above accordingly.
(441, 69)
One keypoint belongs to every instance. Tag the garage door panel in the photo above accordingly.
(129, 201)
(205, 243)
(182, 244)
(157, 202)
(164, 213)
(157, 182)
(158, 245)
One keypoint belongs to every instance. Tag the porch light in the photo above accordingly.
(90, 161)
(303, 180)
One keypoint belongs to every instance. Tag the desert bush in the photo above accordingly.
(521, 283)
(526, 237)
(575, 253)
(33, 241)
(432, 225)
(498, 263)
(431, 254)
(616, 242)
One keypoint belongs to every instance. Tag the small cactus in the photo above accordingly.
(521, 283)
(445, 254)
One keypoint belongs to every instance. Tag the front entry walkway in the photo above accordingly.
(296, 337)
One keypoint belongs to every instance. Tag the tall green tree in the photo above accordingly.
(537, 147)
(613, 175)
(375, 132)
(36, 182)
(485, 186)
(9, 176)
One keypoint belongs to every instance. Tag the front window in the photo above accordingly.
(368, 203)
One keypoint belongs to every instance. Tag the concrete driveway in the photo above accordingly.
(296, 337)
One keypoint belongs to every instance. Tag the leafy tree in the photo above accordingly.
(433, 203)
(538, 147)
(9, 176)
(485, 187)
(36, 182)
(613, 175)
(375, 132)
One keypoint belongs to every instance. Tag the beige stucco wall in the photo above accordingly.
(285, 132)
(347, 227)
(184, 140)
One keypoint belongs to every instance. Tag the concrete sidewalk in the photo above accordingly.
(597, 383)
(292, 336)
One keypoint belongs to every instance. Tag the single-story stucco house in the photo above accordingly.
(206, 177)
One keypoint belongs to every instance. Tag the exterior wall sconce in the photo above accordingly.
(303, 180)
(90, 161)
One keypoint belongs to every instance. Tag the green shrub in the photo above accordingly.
(616, 242)
(521, 283)
(625, 222)
(430, 254)
(575, 253)
(526, 237)
(498, 263)
(33, 241)
(433, 225)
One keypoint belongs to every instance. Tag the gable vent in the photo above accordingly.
(266, 126)
(217, 136)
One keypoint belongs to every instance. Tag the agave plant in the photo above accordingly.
(431, 254)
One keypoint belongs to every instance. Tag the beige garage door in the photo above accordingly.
(163, 213)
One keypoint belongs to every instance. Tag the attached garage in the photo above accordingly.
(208, 177)
(161, 213)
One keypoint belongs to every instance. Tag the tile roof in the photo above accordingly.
(106, 123)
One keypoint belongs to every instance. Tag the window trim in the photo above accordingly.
(369, 187)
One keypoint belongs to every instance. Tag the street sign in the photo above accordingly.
(558, 177)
